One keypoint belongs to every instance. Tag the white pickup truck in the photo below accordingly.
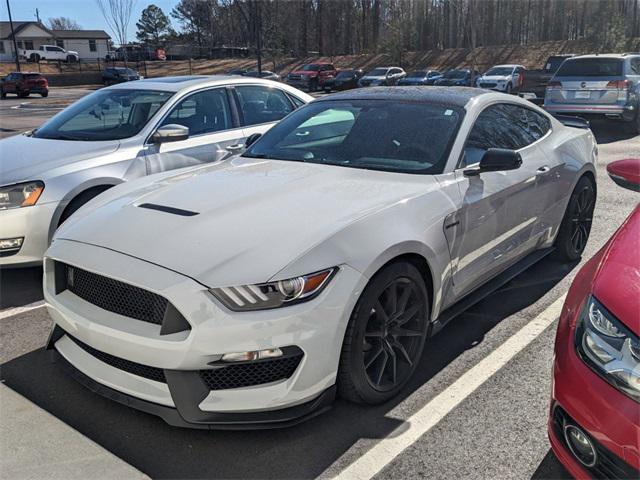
(50, 52)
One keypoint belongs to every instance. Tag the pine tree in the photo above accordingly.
(154, 26)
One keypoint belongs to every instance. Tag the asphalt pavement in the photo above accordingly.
(496, 430)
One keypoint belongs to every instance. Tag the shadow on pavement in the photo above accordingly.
(20, 286)
(609, 131)
(550, 468)
(303, 451)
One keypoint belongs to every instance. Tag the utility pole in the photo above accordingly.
(258, 27)
(38, 16)
(13, 35)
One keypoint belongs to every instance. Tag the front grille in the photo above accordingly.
(487, 85)
(115, 296)
(145, 371)
(250, 374)
(608, 465)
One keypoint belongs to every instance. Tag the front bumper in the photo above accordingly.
(316, 327)
(33, 224)
(609, 417)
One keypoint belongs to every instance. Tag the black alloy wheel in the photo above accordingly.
(576, 224)
(386, 335)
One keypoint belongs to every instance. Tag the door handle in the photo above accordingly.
(235, 148)
(541, 170)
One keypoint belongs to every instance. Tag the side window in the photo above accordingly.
(203, 112)
(539, 124)
(635, 66)
(260, 104)
(297, 103)
(493, 129)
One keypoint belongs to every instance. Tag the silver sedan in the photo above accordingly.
(121, 133)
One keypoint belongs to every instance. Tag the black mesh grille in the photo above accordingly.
(608, 465)
(116, 296)
(152, 373)
(249, 374)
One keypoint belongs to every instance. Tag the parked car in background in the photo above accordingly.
(503, 78)
(238, 71)
(344, 80)
(311, 76)
(123, 132)
(382, 76)
(266, 74)
(458, 77)
(594, 420)
(535, 81)
(420, 77)
(49, 52)
(23, 84)
(602, 85)
(136, 53)
(113, 75)
(317, 262)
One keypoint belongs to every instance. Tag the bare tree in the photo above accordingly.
(63, 23)
(117, 14)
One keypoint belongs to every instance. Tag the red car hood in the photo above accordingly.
(617, 282)
(305, 72)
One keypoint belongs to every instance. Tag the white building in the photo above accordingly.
(90, 44)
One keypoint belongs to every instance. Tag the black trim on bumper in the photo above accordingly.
(187, 398)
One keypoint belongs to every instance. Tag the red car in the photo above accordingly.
(311, 76)
(594, 422)
(24, 84)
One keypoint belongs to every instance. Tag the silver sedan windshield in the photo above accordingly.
(105, 115)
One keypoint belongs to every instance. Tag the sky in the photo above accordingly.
(84, 12)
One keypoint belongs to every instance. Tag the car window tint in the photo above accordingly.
(635, 66)
(260, 104)
(203, 112)
(500, 126)
(297, 103)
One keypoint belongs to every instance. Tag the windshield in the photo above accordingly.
(377, 72)
(591, 67)
(310, 68)
(499, 71)
(105, 115)
(417, 75)
(370, 134)
(348, 74)
(456, 74)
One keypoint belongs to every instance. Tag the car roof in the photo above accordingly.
(510, 65)
(454, 96)
(605, 55)
(187, 84)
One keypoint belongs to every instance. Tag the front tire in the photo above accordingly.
(509, 89)
(44, 94)
(576, 224)
(385, 337)
(313, 85)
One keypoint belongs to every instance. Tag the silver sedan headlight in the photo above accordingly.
(20, 195)
(270, 295)
(609, 348)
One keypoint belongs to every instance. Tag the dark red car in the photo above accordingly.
(311, 76)
(24, 84)
(594, 422)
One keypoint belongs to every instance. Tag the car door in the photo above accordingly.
(498, 211)
(213, 126)
(261, 107)
(9, 85)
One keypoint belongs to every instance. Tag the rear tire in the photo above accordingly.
(71, 59)
(576, 224)
(45, 94)
(385, 337)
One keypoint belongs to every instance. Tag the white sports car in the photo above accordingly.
(249, 292)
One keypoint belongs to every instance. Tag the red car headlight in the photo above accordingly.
(610, 348)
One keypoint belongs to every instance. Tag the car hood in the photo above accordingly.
(249, 218)
(30, 158)
(304, 72)
(495, 78)
(617, 283)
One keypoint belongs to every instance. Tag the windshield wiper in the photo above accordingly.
(63, 137)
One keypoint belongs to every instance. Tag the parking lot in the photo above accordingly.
(477, 406)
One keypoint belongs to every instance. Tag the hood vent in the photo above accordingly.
(174, 211)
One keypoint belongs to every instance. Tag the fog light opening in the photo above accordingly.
(11, 244)
(580, 445)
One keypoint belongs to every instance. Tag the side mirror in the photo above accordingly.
(496, 160)
(626, 173)
(251, 139)
(170, 133)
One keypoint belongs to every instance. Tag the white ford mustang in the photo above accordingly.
(249, 292)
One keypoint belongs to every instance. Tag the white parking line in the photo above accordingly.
(10, 312)
(427, 417)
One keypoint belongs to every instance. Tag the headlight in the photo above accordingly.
(609, 348)
(269, 295)
(20, 195)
